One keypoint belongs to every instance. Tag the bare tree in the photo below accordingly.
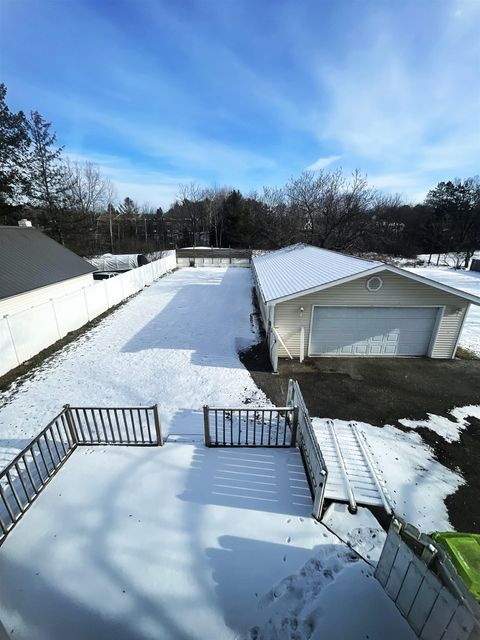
(191, 197)
(88, 196)
(214, 198)
(89, 191)
(332, 210)
(281, 225)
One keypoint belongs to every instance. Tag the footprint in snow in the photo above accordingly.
(289, 539)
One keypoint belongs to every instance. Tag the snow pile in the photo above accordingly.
(468, 281)
(448, 429)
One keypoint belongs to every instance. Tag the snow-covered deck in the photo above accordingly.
(181, 542)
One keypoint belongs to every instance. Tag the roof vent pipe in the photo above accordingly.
(24, 223)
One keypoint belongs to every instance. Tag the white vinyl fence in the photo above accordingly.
(26, 333)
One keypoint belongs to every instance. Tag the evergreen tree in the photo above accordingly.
(128, 208)
(232, 219)
(14, 143)
(455, 209)
(47, 188)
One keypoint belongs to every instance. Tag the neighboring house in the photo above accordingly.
(316, 302)
(34, 268)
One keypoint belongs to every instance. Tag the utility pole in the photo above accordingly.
(111, 226)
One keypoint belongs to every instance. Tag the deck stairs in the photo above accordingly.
(353, 476)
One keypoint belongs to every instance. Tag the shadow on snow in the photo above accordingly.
(198, 319)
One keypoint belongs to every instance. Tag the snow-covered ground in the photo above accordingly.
(468, 281)
(186, 542)
(448, 428)
(174, 344)
(447, 259)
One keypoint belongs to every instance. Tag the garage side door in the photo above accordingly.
(367, 331)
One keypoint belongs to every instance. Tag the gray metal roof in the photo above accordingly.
(29, 259)
(302, 267)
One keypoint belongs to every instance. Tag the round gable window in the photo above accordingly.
(374, 284)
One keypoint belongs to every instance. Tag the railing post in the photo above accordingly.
(206, 425)
(293, 442)
(71, 423)
(158, 426)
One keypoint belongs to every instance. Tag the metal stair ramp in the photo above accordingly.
(353, 476)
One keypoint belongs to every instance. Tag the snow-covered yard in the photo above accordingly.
(184, 541)
(174, 344)
(468, 281)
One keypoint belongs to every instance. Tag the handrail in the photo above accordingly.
(25, 477)
(248, 407)
(28, 473)
(314, 463)
(371, 464)
(29, 445)
(116, 425)
(249, 426)
(351, 498)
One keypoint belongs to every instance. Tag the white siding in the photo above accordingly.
(397, 291)
(33, 298)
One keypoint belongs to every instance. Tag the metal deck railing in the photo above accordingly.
(250, 426)
(25, 477)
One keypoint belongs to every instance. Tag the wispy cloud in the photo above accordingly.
(321, 163)
(405, 108)
(202, 90)
(411, 186)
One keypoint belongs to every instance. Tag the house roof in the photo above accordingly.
(29, 260)
(301, 269)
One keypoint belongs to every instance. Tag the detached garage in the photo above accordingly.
(316, 302)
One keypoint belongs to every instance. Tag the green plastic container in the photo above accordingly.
(464, 552)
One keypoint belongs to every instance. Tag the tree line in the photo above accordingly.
(77, 206)
(334, 211)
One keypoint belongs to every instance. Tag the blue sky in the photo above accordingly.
(249, 93)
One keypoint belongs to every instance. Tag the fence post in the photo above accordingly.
(5, 317)
(294, 427)
(206, 424)
(56, 319)
(86, 303)
(158, 427)
(71, 424)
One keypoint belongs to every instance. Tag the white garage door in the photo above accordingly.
(367, 331)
